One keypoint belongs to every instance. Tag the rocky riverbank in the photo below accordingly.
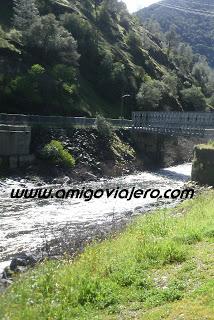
(96, 156)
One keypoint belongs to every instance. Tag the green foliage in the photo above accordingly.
(108, 18)
(171, 39)
(28, 87)
(170, 81)
(52, 42)
(153, 27)
(134, 40)
(8, 40)
(183, 57)
(36, 70)
(82, 30)
(39, 90)
(193, 29)
(25, 14)
(150, 94)
(55, 153)
(105, 51)
(194, 99)
(204, 76)
(149, 267)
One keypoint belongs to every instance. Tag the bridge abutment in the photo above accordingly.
(14, 145)
(164, 150)
(150, 146)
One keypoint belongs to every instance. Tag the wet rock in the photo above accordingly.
(39, 184)
(61, 180)
(7, 273)
(88, 176)
(65, 180)
(23, 260)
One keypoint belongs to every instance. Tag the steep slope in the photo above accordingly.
(113, 60)
(194, 21)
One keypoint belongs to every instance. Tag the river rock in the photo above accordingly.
(24, 260)
(88, 176)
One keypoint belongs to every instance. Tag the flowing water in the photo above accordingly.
(24, 223)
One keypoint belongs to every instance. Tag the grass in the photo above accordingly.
(160, 267)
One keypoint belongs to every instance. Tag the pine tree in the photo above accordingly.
(25, 14)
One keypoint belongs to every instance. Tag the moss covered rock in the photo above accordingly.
(203, 164)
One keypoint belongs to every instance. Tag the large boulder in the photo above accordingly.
(203, 164)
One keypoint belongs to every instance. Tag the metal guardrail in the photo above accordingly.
(175, 123)
(172, 123)
(173, 131)
(57, 121)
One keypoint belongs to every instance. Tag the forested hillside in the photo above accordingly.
(73, 57)
(194, 21)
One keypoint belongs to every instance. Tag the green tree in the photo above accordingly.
(170, 81)
(171, 39)
(82, 30)
(201, 72)
(52, 42)
(10, 39)
(193, 99)
(150, 94)
(25, 14)
(154, 28)
(183, 57)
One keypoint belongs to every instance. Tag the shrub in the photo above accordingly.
(104, 127)
(150, 94)
(55, 153)
(193, 98)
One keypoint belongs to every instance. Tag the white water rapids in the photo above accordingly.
(23, 222)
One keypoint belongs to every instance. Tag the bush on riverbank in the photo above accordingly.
(104, 128)
(55, 153)
(158, 268)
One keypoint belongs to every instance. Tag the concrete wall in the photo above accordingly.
(14, 145)
(14, 140)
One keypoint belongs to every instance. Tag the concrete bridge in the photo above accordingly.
(175, 123)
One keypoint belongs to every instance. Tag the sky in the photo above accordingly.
(134, 5)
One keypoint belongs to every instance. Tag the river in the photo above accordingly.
(26, 225)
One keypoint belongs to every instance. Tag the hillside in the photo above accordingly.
(194, 21)
(80, 57)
